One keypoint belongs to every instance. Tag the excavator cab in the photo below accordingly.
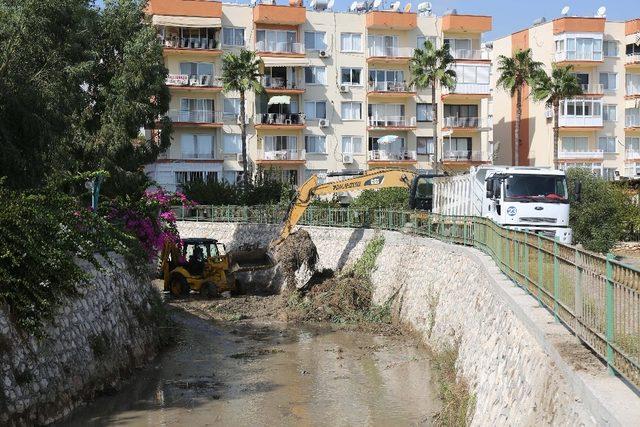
(421, 192)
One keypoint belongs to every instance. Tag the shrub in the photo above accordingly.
(599, 219)
(263, 191)
(391, 198)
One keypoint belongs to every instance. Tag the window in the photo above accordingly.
(383, 45)
(232, 143)
(632, 49)
(451, 110)
(351, 110)
(559, 45)
(581, 108)
(632, 84)
(315, 144)
(459, 48)
(315, 40)
(609, 174)
(457, 146)
(398, 146)
(424, 112)
(196, 68)
(350, 42)
(182, 177)
(196, 110)
(196, 146)
(315, 75)
(469, 73)
(583, 78)
(607, 144)
(580, 48)
(315, 110)
(231, 107)
(610, 48)
(609, 81)
(386, 114)
(425, 145)
(575, 144)
(276, 41)
(632, 144)
(233, 36)
(280, 143)
(609, 112)
(421, 39)
(351, 76)
(352, 144)
(320, 173)
(387, 80)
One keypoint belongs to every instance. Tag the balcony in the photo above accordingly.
(189, 156)
(279, 48)
(584, 122)
(391, 122)
(279, 14)
(632, 155)
(464, 91)
(388, 54)
(391, 89)
(581, 155)
(280, 121)
(466, 23)
(592, 89)
(193, 82)
(466, 123)
(388, 20)
(191, 45)
(632, 60)
(282, 157)
(632, 90)
(200, 118)
(465, 156)
(391, 156)
(470, 55)
(632, 122)
(578, 58)
(281, 85)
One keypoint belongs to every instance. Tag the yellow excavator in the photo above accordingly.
(420, 197)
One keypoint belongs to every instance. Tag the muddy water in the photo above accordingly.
(247, 375)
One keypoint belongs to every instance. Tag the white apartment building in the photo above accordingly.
(599, 130)
(335, 82)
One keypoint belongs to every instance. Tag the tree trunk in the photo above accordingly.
(556, 132)
(243, 129)
(434, 106)
(516, 146)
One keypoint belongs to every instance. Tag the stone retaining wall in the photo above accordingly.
(522, 367)
(93, 340)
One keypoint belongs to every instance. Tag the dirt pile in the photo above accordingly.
(296, 257)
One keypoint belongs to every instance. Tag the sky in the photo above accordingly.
(511, 16)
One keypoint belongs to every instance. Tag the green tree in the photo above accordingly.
(515, 73)
(388, 198)
(552, 89)
(241, 73)
(431, 68)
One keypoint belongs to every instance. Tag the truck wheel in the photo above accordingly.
(179, 286)
(209, 290)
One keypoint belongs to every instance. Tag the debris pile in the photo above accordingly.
(296, 258)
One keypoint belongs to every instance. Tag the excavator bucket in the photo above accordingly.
(250, 258)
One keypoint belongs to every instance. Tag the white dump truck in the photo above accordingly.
(522, 198)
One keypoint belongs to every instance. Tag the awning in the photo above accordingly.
(279, 99)
(285, 62)
(186, 21)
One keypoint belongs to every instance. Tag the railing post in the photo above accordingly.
(527, 274)
(556, 279)
(610, 315)
(540, 271)
(578, 291)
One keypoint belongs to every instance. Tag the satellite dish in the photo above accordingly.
(601, 12)
(353, 6)
(395, 6)
(424, 7)
(564, 11)
(377, 3)
(407, 8)
(330, 4)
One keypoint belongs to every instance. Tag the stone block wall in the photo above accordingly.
(93, 340)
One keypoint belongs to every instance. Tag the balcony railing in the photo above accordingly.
(187, 156)
(201, 43)
(469, 54)
(633, 89)
(632, 121)
(464, 156)
(593, 88)
(196, 80)
(580, 121)
(283, 155)
(578, 56)
(469, 89)
(391, 121)
(279, 47)
(389, 52)
(391, 155)
(632, 155)
(390, 87)
(195, 116)
(279, 83)
(466, 122)
(280, 119)
(577, 155)
(631, 58)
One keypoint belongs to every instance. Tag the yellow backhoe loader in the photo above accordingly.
(420, 197)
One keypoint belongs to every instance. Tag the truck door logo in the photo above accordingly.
(512, 210)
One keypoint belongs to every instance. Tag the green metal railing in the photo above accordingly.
(596, 297)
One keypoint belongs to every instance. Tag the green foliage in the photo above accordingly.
(515, 72)
(432, 67)
(41, 234)
(367, 262)
(392, 198)
(598, 220)
(458, 403)
(262, 192)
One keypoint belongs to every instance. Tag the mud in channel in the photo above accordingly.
(247, 367)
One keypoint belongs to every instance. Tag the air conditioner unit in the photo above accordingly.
(344, 88)
(239, 157)
(323, 54)
(323, 123)
(347, 158)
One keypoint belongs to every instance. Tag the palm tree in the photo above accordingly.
(515, 72)
(561, 85)
(430, 68)
(241, 73)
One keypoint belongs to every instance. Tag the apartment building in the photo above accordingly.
(335, 83)
(599, 130)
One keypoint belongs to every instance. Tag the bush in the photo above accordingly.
(262, 192)
(391, 198)
(599, 219)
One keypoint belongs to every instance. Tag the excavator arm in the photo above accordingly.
(370, 180)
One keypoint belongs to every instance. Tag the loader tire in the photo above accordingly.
(209, 290)
(179, 286)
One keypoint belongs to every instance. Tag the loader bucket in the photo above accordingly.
(250, 258)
